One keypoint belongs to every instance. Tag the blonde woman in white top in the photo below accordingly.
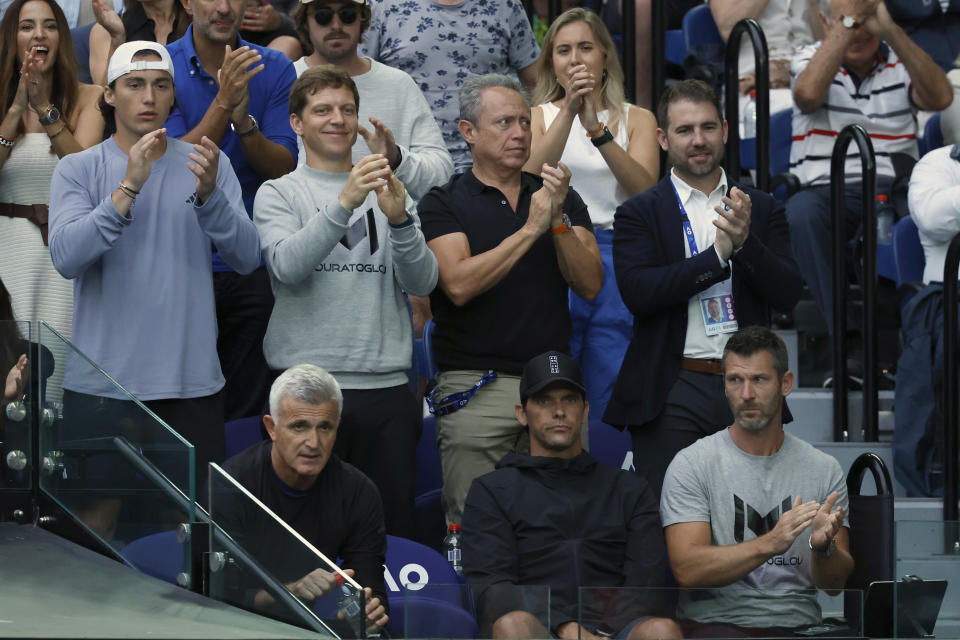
(611, 149)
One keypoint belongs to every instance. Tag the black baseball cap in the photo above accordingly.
(548, 368)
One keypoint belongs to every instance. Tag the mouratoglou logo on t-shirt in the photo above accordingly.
(364, 227)
(747, 517)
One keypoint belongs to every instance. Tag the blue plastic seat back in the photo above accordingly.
(159, 555)
(610, 446)
(699, 28)
(241, 434)
(932, 135)
(908, 252)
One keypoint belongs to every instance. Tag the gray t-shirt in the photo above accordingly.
(742, 496)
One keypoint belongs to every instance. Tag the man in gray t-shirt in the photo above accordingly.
(752, 513)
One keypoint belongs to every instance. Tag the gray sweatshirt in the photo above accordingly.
(339, 278)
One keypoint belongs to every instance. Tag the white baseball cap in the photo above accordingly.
(121, 62)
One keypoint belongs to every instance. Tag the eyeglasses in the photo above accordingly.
(324, 15)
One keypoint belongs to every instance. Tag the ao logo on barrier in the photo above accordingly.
(412, 576)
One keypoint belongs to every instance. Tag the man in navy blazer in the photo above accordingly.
(689, 243)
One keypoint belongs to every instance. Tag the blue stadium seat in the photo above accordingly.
(699, 29)
(907, 252)
(241, 434)
(423, 352)
(932, 135)
(437, 604)
(674, 46)
(159, 555)
(610, 446)
(431, 522)
(429, 473)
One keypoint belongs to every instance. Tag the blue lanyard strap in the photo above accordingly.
(687, 227)
(458, 400)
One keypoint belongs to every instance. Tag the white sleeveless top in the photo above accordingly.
(37, 291)
(592, 178)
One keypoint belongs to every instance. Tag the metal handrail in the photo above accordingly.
(856, 133)
(732, 89)
(950, 400)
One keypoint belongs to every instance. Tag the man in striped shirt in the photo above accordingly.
(866, 71)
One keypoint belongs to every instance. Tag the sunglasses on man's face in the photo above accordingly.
(324, 15)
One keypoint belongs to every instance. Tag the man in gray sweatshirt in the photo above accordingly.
(342, 244)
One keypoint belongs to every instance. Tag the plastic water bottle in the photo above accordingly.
(348, 606)
(451, 545)
(886, 217)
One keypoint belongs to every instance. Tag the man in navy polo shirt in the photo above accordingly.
(235, 93)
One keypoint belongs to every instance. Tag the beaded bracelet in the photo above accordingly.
(6, 142)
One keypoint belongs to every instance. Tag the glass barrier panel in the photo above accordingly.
(259, 563)
(18, 356)
(731, 612)
(925, 599)
(114, 466)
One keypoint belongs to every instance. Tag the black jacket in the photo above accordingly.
(341, 515)
(656, 281)
(566, 524)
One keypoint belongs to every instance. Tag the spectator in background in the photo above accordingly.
(236, 94)
(327, 501)
(441, 44)
(504, 280)
(47, 116)
(160, 21)
(866, 71)
(752, 513)
(934, 198)
(787, 26)
(342, 244)
(611, 150)
(693, 238)
(394, 118)
(559, 518)
(265, 25)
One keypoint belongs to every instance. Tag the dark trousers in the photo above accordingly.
(811, 236)
(378, 434)
(198, 420)
(696, 407)
(244, 304)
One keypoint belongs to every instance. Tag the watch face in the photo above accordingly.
(52, 115)
(849, 22)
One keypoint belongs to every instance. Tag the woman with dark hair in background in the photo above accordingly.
(47, 114)
(611, 149)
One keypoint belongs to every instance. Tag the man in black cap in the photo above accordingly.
(559, 518)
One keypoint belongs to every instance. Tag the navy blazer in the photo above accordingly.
(656, 282)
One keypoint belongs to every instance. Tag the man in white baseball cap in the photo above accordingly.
(133, 221)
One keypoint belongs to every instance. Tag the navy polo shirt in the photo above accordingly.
(269, 104)
(524, 314)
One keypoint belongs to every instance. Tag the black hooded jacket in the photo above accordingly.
(565, 523)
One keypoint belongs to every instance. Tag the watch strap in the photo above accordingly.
(603, 138)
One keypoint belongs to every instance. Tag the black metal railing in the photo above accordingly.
(732, 91)
(951, 407)
(838, 209)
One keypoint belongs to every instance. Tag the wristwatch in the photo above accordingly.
(249, 132)
(849, 22)
(51, 115)
(603, 138)
(564, 226)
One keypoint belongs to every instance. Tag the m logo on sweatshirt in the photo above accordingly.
(746, 517)
(364, 227)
